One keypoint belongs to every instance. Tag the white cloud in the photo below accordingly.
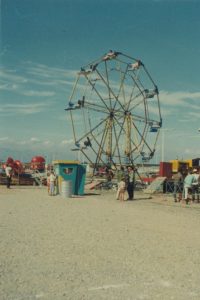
(32, 93)
(37, 75)
(6, 75)
(67, 142)
(188, 151)
(45, 71)
(8, 86)
(2, 139)
(23, 109)
(194, 114)
(179, 98)
(38, 146)
(173, 103)
(23, 142)
(35, 140)
(46, 143)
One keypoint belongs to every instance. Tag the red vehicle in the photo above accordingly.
(38, 163)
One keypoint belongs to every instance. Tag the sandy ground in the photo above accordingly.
(95, 247)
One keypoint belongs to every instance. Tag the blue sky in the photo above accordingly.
(45, 42)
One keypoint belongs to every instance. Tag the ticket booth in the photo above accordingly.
(72, 171)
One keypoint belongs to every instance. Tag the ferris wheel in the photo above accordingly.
(115, 111)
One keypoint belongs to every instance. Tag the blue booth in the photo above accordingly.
(72, 171)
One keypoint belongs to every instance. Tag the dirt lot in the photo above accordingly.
(95, 247)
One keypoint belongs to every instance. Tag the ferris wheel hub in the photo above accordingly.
(112, 114)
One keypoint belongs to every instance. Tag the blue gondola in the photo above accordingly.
(154, 129)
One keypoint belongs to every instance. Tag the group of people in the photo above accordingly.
(126, 182)
(187, 185)
(51, 180)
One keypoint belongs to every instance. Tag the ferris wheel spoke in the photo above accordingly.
(123, 130)
(129, 57)
(155, 142)
(121, 61)
(138, 118)
(135, 85)
(142, 136)
(138, 82)
(91, 130)
(110, 90)
(116, 144)
(92, 64)
(121, 127)
(101, 148)
(140, 94)
(99, 134)
(96, 154)
(108, 84)
(149, 76)
(94, 138)
(159, 110)
(91, 104)
(140, 101)
(136, 105)
(93, 108)
(98, 94)
(94, 104)
(74, 88)
(122, 86)
(73, 128)
(132, 100)
(136, 157)
(87, 156)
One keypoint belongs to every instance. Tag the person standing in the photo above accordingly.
(52, 180)
(120, 175)
(131, 183)
(8, 171)
(188, 186)
(195, 186)
(48, 183)
(121, 189)
(109, 176)
(178, 179)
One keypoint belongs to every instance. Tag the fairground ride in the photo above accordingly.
(115, 111)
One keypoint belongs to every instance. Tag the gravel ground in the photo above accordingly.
(95, 247)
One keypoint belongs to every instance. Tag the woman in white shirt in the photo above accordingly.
(52, 180)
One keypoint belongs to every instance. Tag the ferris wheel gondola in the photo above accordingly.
(115, 111)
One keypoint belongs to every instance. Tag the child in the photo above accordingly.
(121, 189)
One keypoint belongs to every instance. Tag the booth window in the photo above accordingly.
(68, 171)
